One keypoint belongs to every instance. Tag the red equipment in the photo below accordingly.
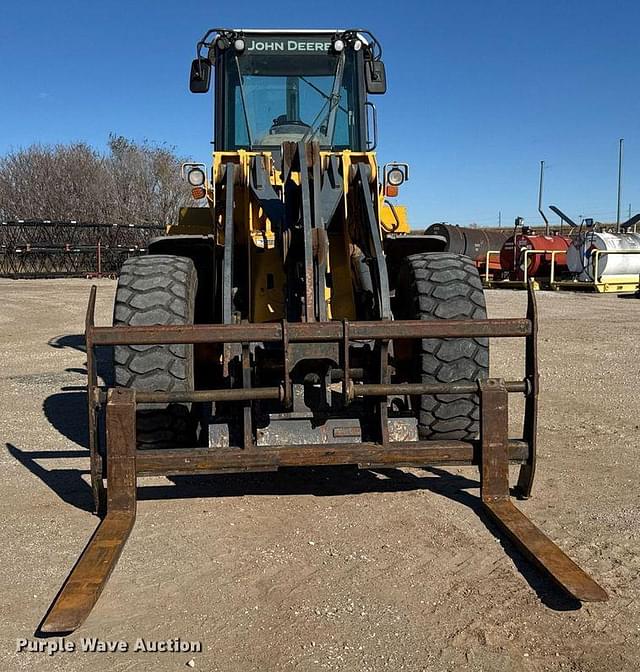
(512, 254)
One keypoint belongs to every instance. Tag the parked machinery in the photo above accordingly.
(472, 242)
(269, 330)
(51, 249)
(607, 261)
(441, 237)
(620, 256)
(526, 254)
(530, 254)
(591, 257)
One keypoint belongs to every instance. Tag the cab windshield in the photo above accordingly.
(274, 98)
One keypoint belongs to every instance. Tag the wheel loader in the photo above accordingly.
(290, 318)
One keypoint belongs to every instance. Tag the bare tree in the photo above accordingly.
(132, 183)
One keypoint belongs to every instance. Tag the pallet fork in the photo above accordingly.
(492, 453)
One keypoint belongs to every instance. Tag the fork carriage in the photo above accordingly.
(121, 464)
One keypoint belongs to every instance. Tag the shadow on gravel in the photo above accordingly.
(66, 410)
(333, 481)
(104, 355)
(69, 485)
(75, 341)
(455, 487)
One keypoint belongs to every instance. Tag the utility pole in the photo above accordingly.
(500, 217)
(620, 153)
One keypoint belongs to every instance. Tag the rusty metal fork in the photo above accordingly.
(84, 585)
(494, 491)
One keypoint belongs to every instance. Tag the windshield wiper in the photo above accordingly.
(326, 96)
(243, 97)
(333, 100)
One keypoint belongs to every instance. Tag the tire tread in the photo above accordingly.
(446, 286)
(152, 290)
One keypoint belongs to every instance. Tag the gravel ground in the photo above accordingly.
(325, 570)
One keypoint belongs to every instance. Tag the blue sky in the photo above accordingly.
(479, 90)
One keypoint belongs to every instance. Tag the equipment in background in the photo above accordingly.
(55, 249)
(618, 256)
(530, 255)
(592, 257)
(472, 242)
(526, 254)
(599, 258)
(269, 328)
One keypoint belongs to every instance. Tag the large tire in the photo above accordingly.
(443, 286)
(152, 290)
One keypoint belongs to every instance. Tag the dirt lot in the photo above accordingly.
(322, 571)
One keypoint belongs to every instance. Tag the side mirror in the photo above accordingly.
(200, 76)
(376, 78)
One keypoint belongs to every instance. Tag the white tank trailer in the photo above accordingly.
(581, 256)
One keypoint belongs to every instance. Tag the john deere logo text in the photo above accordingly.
(288, 45)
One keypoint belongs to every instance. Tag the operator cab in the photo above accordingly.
(275, 87)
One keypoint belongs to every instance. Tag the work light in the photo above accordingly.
(395, 177)
(196, 177)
